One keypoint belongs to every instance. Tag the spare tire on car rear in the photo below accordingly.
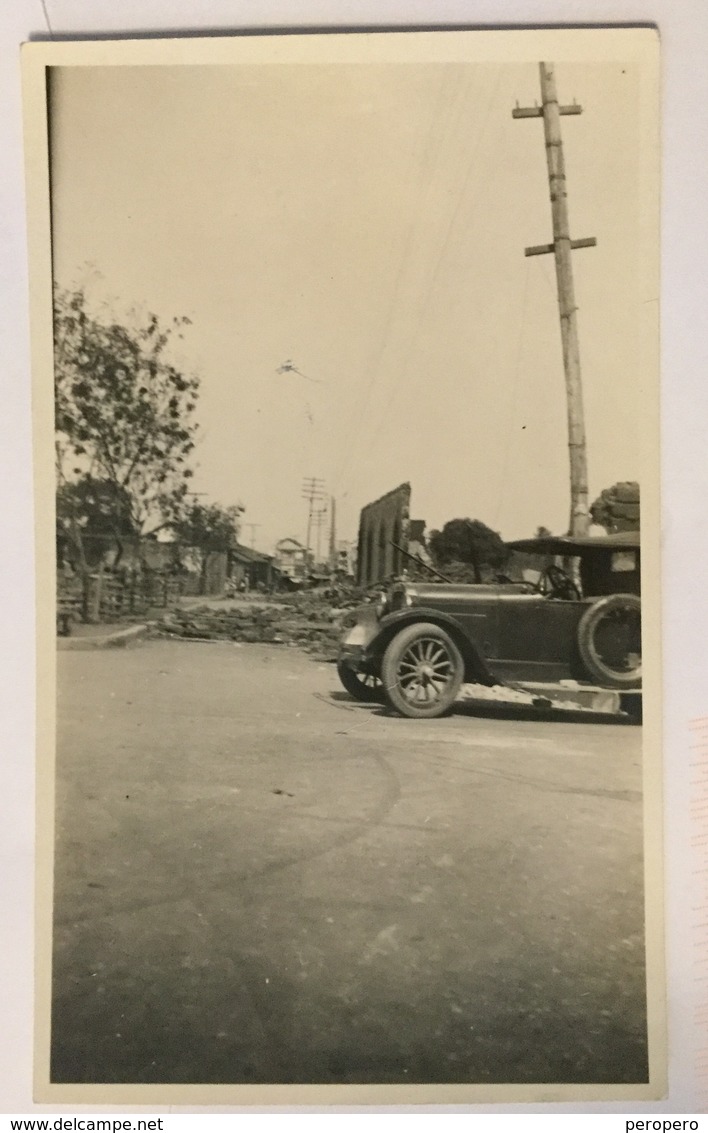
(610, 641)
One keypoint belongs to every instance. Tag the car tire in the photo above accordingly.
(610, 641)
(422, 671)
(359, 685)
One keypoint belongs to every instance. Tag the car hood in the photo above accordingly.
(434, 593)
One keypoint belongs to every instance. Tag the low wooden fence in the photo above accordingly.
(106, 597)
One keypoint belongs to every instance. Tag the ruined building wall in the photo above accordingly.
(382, 523)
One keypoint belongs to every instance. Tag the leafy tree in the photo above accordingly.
(123, 410)
(617, 508)
(100, 506)
(210, 527)
(468, 541)
(91, 514)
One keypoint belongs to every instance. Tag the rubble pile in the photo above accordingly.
(310, 622)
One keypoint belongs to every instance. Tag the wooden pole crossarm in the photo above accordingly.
(537, 111)
(543, 249)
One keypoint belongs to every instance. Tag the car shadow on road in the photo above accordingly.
(496, 710)
(491, 711)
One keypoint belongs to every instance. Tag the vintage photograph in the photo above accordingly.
(346, 376)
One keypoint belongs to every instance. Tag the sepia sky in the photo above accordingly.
(367, 221)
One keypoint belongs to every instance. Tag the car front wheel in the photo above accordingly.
(422, 671)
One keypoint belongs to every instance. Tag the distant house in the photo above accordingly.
(291, 558)
(253, 567)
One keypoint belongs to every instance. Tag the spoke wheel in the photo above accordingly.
(610, 641)
(361, 686)
(422, 671)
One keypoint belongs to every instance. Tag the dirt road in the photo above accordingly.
(258, 880)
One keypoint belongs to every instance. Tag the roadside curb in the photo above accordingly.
(119, 640)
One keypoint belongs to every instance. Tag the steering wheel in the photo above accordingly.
(557, 584)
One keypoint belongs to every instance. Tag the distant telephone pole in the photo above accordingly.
(312, 491)
(561, 248)
(332, 533)
(253, 527)
(318, 518)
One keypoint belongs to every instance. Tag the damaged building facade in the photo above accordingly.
(384, 528)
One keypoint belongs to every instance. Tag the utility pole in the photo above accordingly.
(253, 527)
(561, 248)
(332, 534)
(319, 516)
(312, 490)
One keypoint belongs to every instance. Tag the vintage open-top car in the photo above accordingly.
(422, 641)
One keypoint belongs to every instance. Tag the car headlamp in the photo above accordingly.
(382, 606)
(398, 597)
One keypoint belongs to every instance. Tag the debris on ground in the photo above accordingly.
(503, 694)
(309, 621)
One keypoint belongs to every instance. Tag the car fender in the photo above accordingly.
(475, 662)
